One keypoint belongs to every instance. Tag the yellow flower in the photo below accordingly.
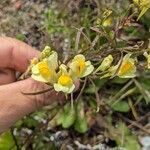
(107, 22)
(148, 59)
(144, 6)
(127, 68)
(65, 82)
(79, 67)
(46, 52)
(44, 70)
(106, 63)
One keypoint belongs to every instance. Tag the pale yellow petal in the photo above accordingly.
(127, 68)
(53, 60)
(106, 63)
(78, 57)
(59, 88)
(71, 88)
(35, 69)
(89, 69)
(63, 69)
(39, 78)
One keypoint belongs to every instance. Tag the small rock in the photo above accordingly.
(145, 141)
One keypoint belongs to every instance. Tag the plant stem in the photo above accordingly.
(83, 87)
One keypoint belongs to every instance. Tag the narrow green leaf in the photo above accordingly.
(121, 106)
(81, 124)
(144, 10)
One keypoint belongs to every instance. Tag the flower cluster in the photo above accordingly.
(124, 69)
(49, 70)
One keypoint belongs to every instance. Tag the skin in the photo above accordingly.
(15, 56)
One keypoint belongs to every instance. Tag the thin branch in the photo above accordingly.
(139, 120)
(122, 90)
(78, 38)
(81, 91)
(72, 100)
(84, 36)
(99, 102)
(94, 42)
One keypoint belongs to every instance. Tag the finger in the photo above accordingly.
(15, 54)
(7, 76)
(14, 105)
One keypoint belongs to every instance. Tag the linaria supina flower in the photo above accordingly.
(127, 69)
(106, 63)
(65, 82)
(79, 67)
(44, 70)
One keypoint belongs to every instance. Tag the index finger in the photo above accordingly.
(15, 54)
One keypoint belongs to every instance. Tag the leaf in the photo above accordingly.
(125, 138)
(143, 11)
(121, 106)
(21, 37)
(80, 125)
(69, 116)
(118, 80)
(100, 82)
(6, 141)
(30, 122)
(90, 90)
(93, 104)
(131, 143)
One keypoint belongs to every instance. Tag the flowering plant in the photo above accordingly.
(45, 68)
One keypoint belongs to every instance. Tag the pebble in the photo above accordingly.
(145, 141)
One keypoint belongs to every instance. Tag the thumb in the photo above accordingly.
(14, 105)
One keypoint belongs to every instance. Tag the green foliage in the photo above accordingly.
(121, 106)
(80, 125)
(118, 80)
(21, 37)
(126, 139)
(68, 116)
(7, 141)
(53, 23)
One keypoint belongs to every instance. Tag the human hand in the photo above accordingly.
(15, 56)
